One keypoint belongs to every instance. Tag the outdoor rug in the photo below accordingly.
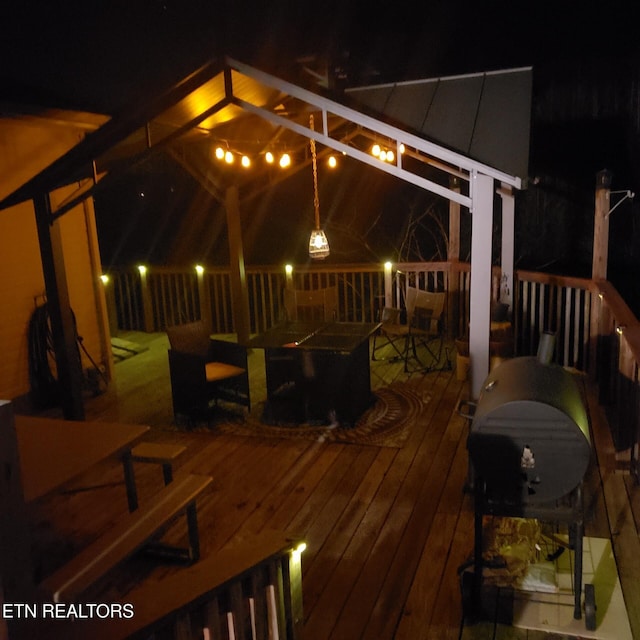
(386, 424)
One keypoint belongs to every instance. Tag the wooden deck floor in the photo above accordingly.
(386, 528)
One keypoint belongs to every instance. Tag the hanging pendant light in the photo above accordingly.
(318, 243)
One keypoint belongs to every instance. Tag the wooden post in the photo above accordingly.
(481, 236)
(147, 306)
(204, 296)
(453, 256)
(508, 238)
(599, 312)
(601, 226)
(112, 306)
(104, 320)
(239, 293)
(16, 570)
(388, 285)
(63, 330)
(453, 247)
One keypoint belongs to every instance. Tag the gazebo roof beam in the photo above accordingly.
(330, 106)
(366, 158)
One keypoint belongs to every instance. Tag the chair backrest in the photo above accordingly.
(390, 315)
(189, 338)
(304, 305)
(427, 310)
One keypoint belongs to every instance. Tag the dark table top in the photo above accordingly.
(328, 336)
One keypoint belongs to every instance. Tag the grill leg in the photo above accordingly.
(577, 562)
(476, 595)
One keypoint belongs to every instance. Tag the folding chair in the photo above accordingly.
(392, 333)
(425, 341)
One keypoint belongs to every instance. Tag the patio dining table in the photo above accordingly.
(317, 372)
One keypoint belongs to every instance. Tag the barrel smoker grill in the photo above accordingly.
(529, 449)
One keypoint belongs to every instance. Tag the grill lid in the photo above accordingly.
(529, 437)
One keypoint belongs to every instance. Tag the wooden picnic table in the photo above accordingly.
(53, 451)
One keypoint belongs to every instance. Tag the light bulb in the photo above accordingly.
(285, 160)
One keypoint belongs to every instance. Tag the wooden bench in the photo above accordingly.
(129, 535)
(149, 453)
(264, 569)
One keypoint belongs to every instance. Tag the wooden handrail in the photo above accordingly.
(253, 584)
(596, 331)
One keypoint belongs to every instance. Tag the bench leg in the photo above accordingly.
(191, 554)
(192, 529)
(130, 481)
(167, 473)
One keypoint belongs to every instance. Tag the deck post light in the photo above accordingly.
(388, 284)
(288, 270)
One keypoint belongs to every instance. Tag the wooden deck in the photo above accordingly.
(386, 528)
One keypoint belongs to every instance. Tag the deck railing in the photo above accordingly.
(595, 331)
(252, 590)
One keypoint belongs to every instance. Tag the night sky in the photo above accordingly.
(106, 55)
(103, 54)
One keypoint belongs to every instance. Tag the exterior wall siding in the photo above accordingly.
(26, 147)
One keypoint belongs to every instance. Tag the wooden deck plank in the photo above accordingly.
(387, 529)
(326, 519)
(421, 599)
(391, 599)
(364, 592)
(335, 545)
(294, 488)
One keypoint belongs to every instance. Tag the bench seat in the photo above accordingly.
(127, 536)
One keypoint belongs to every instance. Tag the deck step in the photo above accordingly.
(127, 536)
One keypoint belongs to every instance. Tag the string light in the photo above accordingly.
(229, 156)
(285, 160)
(383, 154)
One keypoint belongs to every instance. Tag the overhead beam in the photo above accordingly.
(394, 133)
(352, 152)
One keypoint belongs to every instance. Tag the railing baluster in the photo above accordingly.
(240, 610)
(212, 620)
(182, 627)
(567, 325)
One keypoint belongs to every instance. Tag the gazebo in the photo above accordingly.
(485, 114)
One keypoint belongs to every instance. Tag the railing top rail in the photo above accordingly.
(558, 280)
